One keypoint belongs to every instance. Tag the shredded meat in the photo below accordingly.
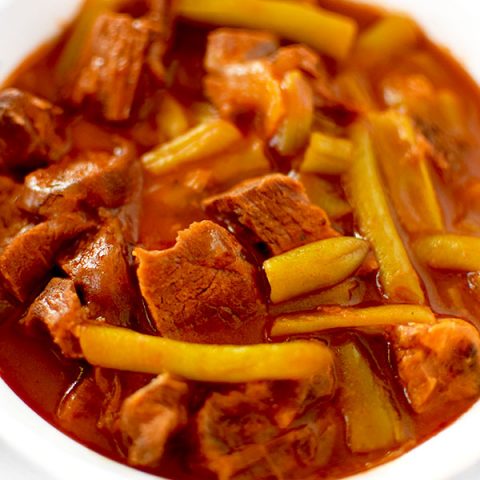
(94, 179)
(438, 363)
(240, 438)
(202, 290)
(273, 211)
(58, 308)
(28, 258)
(113, 63)
(150, 416)
(29, 130)
(100, 270)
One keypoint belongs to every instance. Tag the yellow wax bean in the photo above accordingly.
(203, 141)
(323, 193)
(124, 349)
(372, 421)
(327, 155)
(327, 32)
(365, 193)
(172, 118)
(449, 252)
(387, 38)
(351, 318)
(294, 130)
(349, 292)
(406, 171)
(316, 265)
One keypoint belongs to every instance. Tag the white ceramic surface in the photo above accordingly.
(26, 23)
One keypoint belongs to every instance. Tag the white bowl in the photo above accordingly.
(24, 24)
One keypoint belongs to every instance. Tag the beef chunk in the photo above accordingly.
(94, 179)
(28, 258)
(11, 218)
(150, 416)
(29, 130)
(293, 455)
(98, 388)
(100, 270)
(246, 72)
(240, 439)
(295, 397)
(273, 212)
(9, 193)
(298, 57)
(226, 46)
(202, 289)
(439, 363)
(58, 308)
(113, 63)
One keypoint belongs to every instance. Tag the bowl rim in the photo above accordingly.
(39, 442)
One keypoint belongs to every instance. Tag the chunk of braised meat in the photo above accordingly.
(11, 218)
(295, 397)
(239, 437)
(438, 364)
(245, 70)
(296, 454)
(298, 57)
(247, 88)
(27, 259)
(159, 15)
(100, 270)
(231, 45)
(202, 290)
(99, 387)
(150, 416)
(30, 132)
(93, 179)
(112, 64)
(446, 136)
(273, 212)
(59, 309)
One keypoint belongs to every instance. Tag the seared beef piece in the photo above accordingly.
(9, 192)
(202, 290)
(296, 454)
(29, 133)
(438, 364)
(150, 416)
(97, 387)
(160, 17)
(58, 308)
(27, 259)
(293, 57)
(295, 397)
(113, 62)
(11, 218)
(226, 46)
(271, 211)
(240, 439)
(245, 71)
(94, 179)
(100, 271)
